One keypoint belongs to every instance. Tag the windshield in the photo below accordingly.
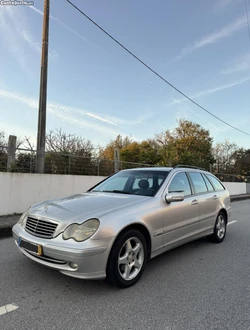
(143, 182)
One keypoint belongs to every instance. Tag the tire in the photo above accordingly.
(220, 229)
(127, 259)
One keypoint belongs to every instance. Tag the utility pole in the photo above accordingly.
(40, 159)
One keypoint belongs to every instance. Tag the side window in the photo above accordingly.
(180, 183)
(208, 183)
(198, 182)
(216, 183)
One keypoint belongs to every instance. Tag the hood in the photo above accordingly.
(80, 207)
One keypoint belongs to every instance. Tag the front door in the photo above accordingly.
(180, 219)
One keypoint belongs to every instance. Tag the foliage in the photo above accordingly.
(68, 154)
(242, 162)
(188, 144)
(224, 155)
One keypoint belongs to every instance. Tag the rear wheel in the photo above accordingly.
(127, 259)
(220, 229)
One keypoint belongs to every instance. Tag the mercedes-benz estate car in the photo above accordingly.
(114, 228)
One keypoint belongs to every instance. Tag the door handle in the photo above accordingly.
(194, 202)
(215, 197)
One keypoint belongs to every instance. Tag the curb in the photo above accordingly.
(239, 198)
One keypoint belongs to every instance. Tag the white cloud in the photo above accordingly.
(27, 36)
(242, 64)
(100, 118)
(64, 25)
(220, 88)
(209, 91)
(16, 33)
(182, 110)
(213, 126)
(71, 115)
(41, 13)
(212, 38)
(10, 35)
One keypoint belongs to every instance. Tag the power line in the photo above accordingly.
(157, 74)
(248, 24)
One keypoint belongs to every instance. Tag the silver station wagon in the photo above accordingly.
(115, 227)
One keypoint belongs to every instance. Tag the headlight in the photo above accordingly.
(83, 231)
(23, 217)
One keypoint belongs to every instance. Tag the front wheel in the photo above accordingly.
(127, 259)
(220, 229)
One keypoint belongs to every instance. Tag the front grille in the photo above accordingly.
(40, 228)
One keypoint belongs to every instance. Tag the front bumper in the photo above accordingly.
(90, 256)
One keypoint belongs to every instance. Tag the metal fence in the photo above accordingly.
(224, 177)
(68, 163)
(63, 163)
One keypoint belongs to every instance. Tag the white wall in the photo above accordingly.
(236, 188)
(20, 190)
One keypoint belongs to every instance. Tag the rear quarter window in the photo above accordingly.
(215, 182)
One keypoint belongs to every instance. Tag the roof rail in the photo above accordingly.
(189, 166)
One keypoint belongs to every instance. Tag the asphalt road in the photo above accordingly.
(201, 285)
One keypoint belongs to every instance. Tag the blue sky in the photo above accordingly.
(97, 90)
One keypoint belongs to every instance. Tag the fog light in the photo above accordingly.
(73, 265)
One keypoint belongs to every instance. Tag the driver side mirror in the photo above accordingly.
(174, 197)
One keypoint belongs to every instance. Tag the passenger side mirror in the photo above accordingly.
(174, 197)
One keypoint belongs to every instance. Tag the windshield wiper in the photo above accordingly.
(117, 191)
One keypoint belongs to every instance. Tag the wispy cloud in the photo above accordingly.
(63, 24)
(100, 118)
(71, 115)
(183, 110)
(27, 36)
(17, 34)
(10, 35)
(213, 126)
(210, 91)
(242, 64)
(214, 37)
(41, 13)
(220, 88)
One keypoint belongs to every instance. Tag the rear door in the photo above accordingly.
(207, 199)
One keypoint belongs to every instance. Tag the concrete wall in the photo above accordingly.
(248, 188)
(236, 188)
(20, 190)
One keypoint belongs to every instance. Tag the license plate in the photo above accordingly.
(35, 248)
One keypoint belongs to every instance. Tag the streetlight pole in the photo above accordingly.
(40, 159)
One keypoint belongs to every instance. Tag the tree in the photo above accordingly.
(166, 143)
(119, 142)
(106, 155)
(242, 162)
(224, 154)
(187, 144)
(145, 152)
(68, 154)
